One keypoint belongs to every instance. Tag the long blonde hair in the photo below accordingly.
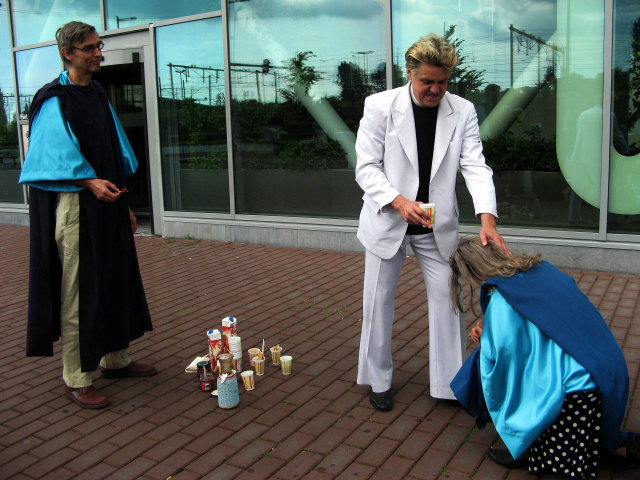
(475, 264)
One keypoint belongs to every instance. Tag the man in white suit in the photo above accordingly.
(410, 144)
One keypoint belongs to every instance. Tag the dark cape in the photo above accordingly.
(552, 301)
(113, 308)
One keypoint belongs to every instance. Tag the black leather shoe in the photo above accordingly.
(503, 457)
(633, 451)
(381, 401)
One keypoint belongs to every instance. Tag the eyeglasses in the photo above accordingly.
(90, 48)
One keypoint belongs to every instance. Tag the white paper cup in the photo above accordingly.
(285, 363)
(275, 355)
(247, 379)
(235, 345)
(430, 208)
(252, 353)
(259, 366)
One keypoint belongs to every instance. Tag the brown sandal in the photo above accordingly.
(87, 397)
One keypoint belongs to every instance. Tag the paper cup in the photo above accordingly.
(237, 364)
(285, 363)
(259, 365)
(235, 346)
(430, 208)
(252, 353)
(275, 355)
(247, 379)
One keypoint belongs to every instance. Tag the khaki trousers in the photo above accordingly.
(68, 242)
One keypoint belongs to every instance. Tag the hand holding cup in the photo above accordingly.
(430, 210)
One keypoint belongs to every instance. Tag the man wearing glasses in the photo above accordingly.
(84, 280)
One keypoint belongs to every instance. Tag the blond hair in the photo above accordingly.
(475, 264)
(434, 50)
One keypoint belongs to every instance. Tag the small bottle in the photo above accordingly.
(206, 382)
(203, 367)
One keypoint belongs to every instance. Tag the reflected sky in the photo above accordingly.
(359, 9)
(334, 30)
(197, 44)
(125, 13)
(36, 68)
(483, 25)
(6, 76)
(36, 21)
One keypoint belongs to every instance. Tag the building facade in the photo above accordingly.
(244, 113)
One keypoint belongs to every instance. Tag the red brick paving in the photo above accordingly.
(314, 424)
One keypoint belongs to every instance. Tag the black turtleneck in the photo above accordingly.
(425, 120)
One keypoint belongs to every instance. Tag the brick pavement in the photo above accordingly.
(314, 424)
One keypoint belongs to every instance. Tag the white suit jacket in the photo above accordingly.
(387, 166)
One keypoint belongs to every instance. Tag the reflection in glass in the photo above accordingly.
(624, 180)
(36, 22)
(10, 191)
(36, 68)
(126, 13)
(514, 64)
(124, 88)
(300, 73)
(191, 107)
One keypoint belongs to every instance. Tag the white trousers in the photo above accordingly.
(68, 242)
(447, 340)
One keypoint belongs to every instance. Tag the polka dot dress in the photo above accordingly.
(571, 446)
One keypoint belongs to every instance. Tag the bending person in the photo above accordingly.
(549, 372)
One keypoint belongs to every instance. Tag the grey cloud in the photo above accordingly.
(314, 8)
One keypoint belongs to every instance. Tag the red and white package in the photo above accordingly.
(214, 339)
(229, 329)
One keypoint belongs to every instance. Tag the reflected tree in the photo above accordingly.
(204, 127)
(354, 85)
(300, 74)
(3, 115)
(379, 77)
(626, 101)
(634, 84)
(285, 135)
(463, 79)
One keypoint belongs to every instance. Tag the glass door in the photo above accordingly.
(122, 77)
(125, 90)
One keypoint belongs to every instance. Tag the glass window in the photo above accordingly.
(191, 105)
(535, 75)
(36, 68)
(10, 191)
(125, 13)
(300, 72)
(624, 180)
(36, 22)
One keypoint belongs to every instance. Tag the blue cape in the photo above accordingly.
(54, 150)
(552, 301)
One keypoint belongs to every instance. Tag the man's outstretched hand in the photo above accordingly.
(490, 232)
